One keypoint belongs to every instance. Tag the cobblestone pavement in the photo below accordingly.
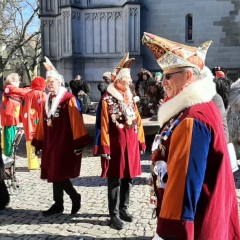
(23, 220)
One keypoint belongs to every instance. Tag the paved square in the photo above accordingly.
(23, 219)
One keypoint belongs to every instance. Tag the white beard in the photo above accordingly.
(15, 84)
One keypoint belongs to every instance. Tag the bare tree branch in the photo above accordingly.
(17, 32)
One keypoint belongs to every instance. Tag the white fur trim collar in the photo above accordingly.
(55, 101)
(198, 92)
(115, 93)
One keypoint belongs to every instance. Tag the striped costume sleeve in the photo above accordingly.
(101, 140)
(79, 105)
(186, 167)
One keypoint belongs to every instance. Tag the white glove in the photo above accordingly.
(136, 99)
(106, 156)
(150, 104)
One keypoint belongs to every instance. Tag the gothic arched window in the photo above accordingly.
(189, 27)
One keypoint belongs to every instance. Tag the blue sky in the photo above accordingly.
(27, 11)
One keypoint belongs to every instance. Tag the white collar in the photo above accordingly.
(197, 92)
(55, 101)
(115, 93)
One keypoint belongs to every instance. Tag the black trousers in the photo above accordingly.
(118, 195)
(60, 187)
(4, 195)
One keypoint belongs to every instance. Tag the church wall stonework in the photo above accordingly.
(216, 20)
(81, 38)
(89, 37)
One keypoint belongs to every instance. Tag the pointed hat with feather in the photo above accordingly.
(52, 71)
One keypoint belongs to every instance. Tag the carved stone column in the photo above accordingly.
(49, 7)
(49, 46)
(67, 32)
(132, 23)
(76, 32)
(103, 31)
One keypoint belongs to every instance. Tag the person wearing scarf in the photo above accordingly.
(61, 135)
(192, 185)
(119, 140)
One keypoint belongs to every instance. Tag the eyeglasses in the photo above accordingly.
(168, 75)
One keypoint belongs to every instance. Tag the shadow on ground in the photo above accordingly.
(93, 181)
(29, 217)
(59, 237)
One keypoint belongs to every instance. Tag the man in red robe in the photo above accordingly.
(61, 135)
(192, 175)
(119, 139)
(31, 108)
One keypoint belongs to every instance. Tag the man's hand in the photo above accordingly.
(142, 152)
(160, 103)
(81, 92)
(107, 156)
(136, 98)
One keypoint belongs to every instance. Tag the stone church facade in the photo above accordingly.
(89, 37)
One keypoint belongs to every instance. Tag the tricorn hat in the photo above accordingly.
(171, 54)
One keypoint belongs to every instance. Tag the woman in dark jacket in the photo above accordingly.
(102, 86)
(78, 85)
(81, 89)
(144, 80)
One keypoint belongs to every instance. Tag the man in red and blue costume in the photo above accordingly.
(192, 176)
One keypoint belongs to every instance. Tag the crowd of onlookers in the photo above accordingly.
(147, 91)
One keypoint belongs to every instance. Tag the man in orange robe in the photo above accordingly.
(119, 139)
(61, 135)
(31, 107)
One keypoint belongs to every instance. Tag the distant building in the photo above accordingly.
(89, 37)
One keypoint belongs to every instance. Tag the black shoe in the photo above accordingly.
(76, 205)
(54, 209)
(126, 216)
(116, 222)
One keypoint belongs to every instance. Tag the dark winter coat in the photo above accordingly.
(141, 86)
(102, 87)
(78, 85)
(223, 86)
